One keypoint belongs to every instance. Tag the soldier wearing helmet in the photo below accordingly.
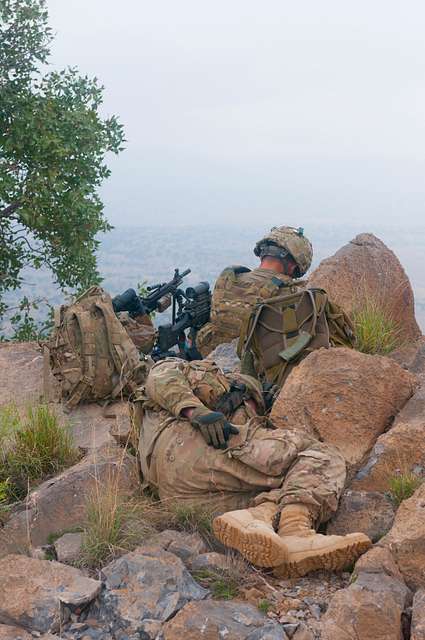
(285, 255)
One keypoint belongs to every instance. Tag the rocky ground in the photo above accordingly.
(371, 407)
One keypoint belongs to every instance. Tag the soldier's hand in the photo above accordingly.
(270, 393)
(233, 399)
(213, 426)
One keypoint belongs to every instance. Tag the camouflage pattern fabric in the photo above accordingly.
(261, 464)
(140, 330)
(292, 240)
(236, 292)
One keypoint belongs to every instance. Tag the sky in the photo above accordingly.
(278, 111)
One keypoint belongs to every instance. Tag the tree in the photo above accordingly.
(53, 142)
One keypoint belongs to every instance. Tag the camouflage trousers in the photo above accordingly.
(279, 465)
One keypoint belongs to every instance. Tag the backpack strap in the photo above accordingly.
(88, 352)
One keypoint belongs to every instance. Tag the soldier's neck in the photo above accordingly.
(272, 264)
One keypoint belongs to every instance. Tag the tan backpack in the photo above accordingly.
(283, 330)
(91, 354)
(236, 292)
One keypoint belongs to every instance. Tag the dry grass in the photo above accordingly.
(225, 582)
(377, 331)
(32, 448)
(403, 486)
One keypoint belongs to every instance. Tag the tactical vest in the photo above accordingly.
(91, 354)
(283, 330)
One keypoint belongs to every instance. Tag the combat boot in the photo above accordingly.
(251, 532)
(309, 551)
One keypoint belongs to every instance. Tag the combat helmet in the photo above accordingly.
(283, 241)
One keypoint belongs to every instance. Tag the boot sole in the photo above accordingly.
(259, 548)
(335, 559)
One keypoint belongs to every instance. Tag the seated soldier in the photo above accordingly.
(285, 255)
(204, 440)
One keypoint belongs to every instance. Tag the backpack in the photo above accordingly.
(90, 352)
(283, 330)
(236, 292)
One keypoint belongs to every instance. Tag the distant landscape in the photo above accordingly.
(150, 253)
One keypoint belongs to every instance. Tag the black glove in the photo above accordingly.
(232, 399)
(270, 393)
(213, 426)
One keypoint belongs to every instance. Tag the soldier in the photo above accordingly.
(204, 439)
(285, 255)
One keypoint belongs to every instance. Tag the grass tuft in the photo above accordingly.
(377, 332)
(32, 449)
(264, 606)
(403, 486)
(225, 582)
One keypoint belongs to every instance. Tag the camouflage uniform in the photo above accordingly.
(235, 295)
(261, 463)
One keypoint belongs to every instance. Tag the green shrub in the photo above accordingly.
(377, 332)
(31, 449)
(403, 486)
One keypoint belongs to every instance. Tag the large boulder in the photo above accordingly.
(40, 595)
(212, 620)
(399, 451)
(59, 504)
(369, 512)
(371, 607)
(366, 268)
(418, 616)
(406, 539)
(144, 589)
(344, 398)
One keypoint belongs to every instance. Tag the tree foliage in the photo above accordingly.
(53, 141)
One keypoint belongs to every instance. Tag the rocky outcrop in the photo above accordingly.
(406, 539)
(13, 633)
(418, 616)
(40, 595)
(399, 451)
(366, 268)
(371, 608)
(68, 547)
(213, 620)
(185, 546)
(60, 503)
(368, 512)
(226, 357)
(144, 589)
(343, 397)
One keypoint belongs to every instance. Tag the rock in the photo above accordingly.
(406, 539)
(60, 503)
(418, 616)
(13, 633)
(226, 357)
(145, 588)
(365, 267)
(344, 398)
(21, 373)
(400, 450)
(184, 545)
(68, 547)
(215, 620)
(371, 607)
(370, 512)
(38, 594)
(212, 561)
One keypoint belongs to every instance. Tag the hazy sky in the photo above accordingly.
(274, 111)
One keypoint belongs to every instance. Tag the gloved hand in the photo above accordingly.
(270, 393)
(232, 399)
(213, 426)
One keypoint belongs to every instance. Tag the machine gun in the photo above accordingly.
(191, 310)
(158, 299)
